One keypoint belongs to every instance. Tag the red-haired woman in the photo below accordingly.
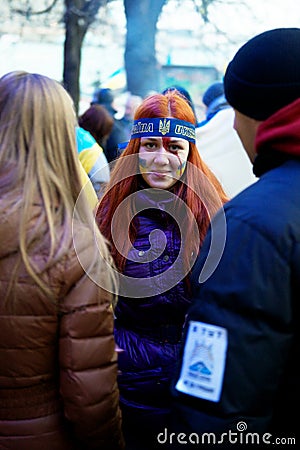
(155, 212)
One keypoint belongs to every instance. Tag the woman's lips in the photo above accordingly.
(160, 174)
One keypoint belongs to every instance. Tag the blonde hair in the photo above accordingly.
(39, 165)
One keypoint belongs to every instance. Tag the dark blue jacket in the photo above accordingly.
(253, 293)
(151, 309)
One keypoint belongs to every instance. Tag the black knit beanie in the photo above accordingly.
(264, 75)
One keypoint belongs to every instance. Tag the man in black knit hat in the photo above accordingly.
(238, 375)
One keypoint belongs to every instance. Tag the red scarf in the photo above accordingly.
(281, 131)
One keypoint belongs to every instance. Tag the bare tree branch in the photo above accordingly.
(203, 7)
(30, 12)
(89, 10)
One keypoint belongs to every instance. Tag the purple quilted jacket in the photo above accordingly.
(152, 306)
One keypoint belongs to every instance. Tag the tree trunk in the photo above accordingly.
(78, 17)
(140, 56)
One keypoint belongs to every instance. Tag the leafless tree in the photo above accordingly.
(77, 16)
(139, 57)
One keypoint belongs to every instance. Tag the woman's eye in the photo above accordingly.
(174, 148)
(150, 145)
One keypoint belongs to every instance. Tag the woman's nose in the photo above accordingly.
(161, 156)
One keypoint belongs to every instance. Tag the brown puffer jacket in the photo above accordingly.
(58, 365)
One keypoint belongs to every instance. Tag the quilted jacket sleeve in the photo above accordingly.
(88, 363)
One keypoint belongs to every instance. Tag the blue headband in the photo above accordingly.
(163, 127)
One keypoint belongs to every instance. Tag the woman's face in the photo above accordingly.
(162, 160)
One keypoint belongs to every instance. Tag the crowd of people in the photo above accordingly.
(150, 265)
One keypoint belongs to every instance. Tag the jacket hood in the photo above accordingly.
(281, 131)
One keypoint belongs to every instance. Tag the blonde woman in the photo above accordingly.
(58, 365)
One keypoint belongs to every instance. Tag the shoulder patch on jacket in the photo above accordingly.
(203, 362)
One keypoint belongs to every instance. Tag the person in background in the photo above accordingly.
(214, 101)
(131, 103)
(88, 187)
(99, 122)
(93, 159)
(187, 96)
(58, 365)
(105, 97)
(219, 144)
(239, 367)
(155, 212)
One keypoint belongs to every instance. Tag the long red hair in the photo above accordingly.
(198, 188)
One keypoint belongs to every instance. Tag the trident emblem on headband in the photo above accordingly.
(164, 126)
